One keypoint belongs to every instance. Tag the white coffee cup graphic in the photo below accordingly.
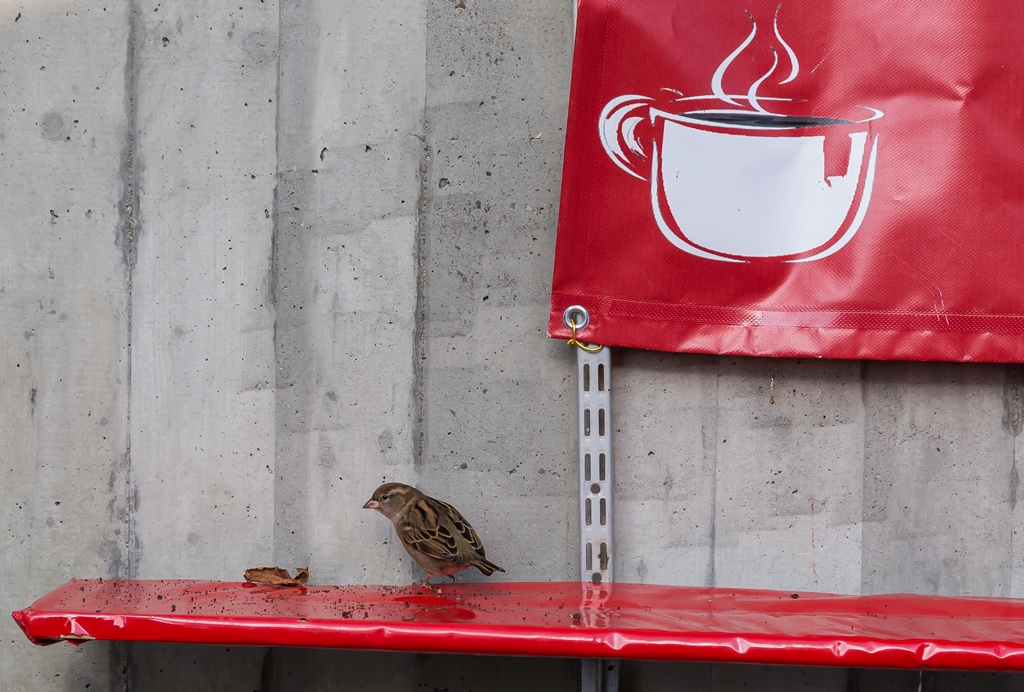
(737, 184)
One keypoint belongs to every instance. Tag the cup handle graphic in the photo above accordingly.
(617, 129)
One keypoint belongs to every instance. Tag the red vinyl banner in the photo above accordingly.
(836, 178)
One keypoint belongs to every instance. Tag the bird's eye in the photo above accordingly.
(384, 496)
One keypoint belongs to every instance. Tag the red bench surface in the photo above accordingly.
(547, 619)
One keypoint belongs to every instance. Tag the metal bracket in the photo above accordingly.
(594, 384)
(600, 675)
(593, 371)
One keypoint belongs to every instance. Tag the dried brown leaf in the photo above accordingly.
(275, 576)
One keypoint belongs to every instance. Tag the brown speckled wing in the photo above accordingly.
(420, 526)
(462, 526)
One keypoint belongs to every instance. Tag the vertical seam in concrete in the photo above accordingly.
(710, 579)
(127, 238)
(866, 476)
(274, 221)
(419, 350)
(1012, 424)
(275, 227)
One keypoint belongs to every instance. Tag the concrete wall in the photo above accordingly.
(256, 258)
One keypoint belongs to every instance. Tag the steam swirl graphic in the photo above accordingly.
(716, 79)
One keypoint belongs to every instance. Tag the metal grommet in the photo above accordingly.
(576, 318)
(576, 314)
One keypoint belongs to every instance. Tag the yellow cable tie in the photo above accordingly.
(576, 342)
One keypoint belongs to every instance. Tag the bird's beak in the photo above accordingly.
(371, 504)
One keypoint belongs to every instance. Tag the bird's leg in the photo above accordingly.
(451, 576)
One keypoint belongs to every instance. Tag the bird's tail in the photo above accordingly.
(486, 566)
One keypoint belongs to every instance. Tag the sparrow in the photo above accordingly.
(434, 533)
